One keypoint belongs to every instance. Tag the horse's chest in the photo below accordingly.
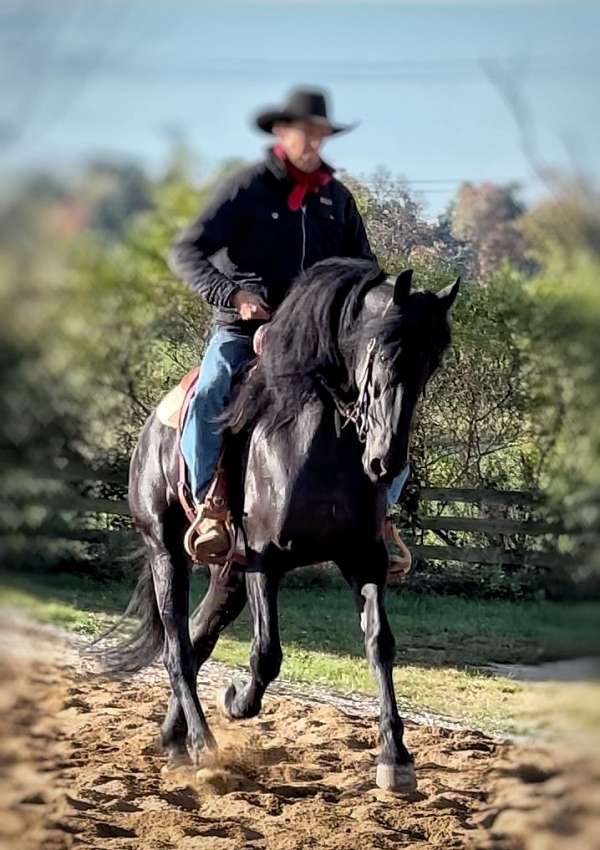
(316, 492)
(306, 490)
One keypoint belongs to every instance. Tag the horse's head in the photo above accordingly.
(401, 338)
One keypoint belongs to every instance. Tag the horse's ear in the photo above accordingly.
(448, 295)
(402, 286)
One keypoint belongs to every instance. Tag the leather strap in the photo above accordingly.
(188, 383)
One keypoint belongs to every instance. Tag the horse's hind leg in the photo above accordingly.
(239, 701)
(395, 769)
(171, 586)
(223, 602)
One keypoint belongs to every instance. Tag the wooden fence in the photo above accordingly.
(503, 538)
(509, 541)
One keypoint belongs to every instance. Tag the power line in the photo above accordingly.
(35, 53)
(362, 70)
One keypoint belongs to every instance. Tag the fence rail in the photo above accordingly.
(511, 541)
(519, 498)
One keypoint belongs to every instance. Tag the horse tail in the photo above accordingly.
(142, 646)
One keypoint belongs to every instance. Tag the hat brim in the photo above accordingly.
(265, 121)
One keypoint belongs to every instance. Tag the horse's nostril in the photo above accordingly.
(376, 466)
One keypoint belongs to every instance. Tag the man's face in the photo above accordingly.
(302, 142)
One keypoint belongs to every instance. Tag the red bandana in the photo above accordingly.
(303, 182)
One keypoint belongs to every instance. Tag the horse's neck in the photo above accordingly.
(318, 429)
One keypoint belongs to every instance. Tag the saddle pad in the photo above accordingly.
(169, 408)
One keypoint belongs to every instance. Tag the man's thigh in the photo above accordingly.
(226, 354)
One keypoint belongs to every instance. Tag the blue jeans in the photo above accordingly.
(397, 485)
(226, 355)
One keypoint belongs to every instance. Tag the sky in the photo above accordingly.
(81, 78)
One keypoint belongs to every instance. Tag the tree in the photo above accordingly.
(483, 216)
(563, 225)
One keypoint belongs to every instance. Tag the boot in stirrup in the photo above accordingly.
(206, 538)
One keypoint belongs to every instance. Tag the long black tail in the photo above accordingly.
(141, 648)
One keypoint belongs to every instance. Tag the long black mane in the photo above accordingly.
(307, 337)
(315, 339)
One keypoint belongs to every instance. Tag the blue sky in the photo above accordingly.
(79, 78)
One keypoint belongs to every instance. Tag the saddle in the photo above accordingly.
(172, 411)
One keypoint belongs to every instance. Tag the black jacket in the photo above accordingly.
(248, 238)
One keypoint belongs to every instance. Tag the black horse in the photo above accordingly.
(327, 411)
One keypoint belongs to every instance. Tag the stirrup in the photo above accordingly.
(191, 532)
(403, 560)
(221, 547)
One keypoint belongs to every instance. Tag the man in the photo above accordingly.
(267, 223)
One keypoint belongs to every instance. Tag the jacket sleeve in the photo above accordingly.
(356, 241)
(215, 228)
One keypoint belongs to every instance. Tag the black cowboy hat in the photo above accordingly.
(301, 105)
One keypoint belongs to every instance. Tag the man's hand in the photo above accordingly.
(250, 305)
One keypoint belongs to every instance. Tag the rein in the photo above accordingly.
(358, 411)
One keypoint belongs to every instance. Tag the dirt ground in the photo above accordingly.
(80, 767)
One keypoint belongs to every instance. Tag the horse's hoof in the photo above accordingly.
(176, 759)
(398, 778)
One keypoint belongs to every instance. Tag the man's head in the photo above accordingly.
(301, 126)
(302, 142)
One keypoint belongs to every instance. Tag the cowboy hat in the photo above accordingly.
(301, 105)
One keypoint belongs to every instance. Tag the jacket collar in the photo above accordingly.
(277, 167)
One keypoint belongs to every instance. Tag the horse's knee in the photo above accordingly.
(380, 644)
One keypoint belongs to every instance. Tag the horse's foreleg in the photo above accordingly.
(171, 586)
(395, 768)
(223, 602)
(265, 658)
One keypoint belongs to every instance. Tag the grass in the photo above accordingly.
(441, 641)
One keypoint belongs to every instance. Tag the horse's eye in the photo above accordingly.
(376, 390)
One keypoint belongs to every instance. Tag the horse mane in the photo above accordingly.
(304, 344)
(314, 341)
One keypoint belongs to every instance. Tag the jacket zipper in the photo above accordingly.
(303, 208)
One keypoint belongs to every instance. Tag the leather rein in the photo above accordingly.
(357, 411)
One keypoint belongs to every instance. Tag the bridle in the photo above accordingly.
(357, 411)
